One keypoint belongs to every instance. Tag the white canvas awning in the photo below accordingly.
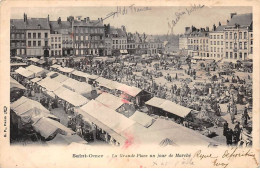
(29, 110)
(155, 102)
(47, 127)
(111, 121)
(142, 118)
(66, 69)
(55, 66)
(110, 101)
(16, 85)
(132, 91)
(60, 78)
(71, 97)
(66, 140)
(34, 59)
(24, 72)
(36, 79)
(36, 70)
(104, 82)
(49, 84)
(176, 109)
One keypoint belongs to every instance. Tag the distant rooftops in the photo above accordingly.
(241, 19)
(31, 23)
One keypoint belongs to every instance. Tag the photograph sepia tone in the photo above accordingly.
(130, 84)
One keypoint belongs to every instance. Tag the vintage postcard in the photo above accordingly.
(129, 84)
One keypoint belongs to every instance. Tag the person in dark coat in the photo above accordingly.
(225, 128)
(236, 134)
(229, 136)
(245, 117)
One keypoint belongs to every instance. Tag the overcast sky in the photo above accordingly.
(151, 20)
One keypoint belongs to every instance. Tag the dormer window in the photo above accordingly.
(39, 26)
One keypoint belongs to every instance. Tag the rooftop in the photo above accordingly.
(31, 24)
(241, 19)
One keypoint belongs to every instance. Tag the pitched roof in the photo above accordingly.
(31, 24)
(63, 28)
(241, 19)
(109, 100)
(113, 120)
(142, 118)
(220, 28)
(176, 109)
(117, 32)
(91, 23)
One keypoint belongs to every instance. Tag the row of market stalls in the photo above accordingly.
(130, 93)
(166, 108)
(30, 118)
(114, 118)
(139, 129)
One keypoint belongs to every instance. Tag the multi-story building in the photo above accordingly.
(216, 42)
(250, 43)
(56, 44)
(108, 46)
(37, 37)
(131, 44)
(203, 42)
(155, 46)
(18, 37)
(183, 38)
(198, 42)
(238, 37)
(61, 30)
(88, 37)
(116, 39)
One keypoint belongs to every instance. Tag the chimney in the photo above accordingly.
(187, 29)
(48, 17)
(25, 18)
(227, 21)
(88, 19)
(59, 20)
(219, 23)
(232, 14)
(214, 27)
(207, 28)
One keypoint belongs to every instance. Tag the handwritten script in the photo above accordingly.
(224, 159)
(124, 10)
(178, 15)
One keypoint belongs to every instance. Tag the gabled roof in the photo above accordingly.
(220, 28)
(31, 24)
(110, 100)
(142, 118)
(114, 121)
(91, 23)
(241, 19)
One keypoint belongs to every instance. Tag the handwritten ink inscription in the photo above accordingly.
(177, 16)
(124, 10)
(223, 160)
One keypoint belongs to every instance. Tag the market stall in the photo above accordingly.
(66, 140)
(49, 128)
(142, 118)
(104, 119)
(25, 73)
(38, 71)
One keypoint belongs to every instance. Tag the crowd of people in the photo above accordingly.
(184, 88)
(205, 97)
